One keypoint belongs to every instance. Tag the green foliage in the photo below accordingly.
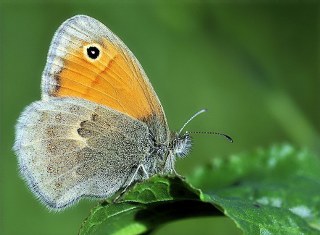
(267, 192)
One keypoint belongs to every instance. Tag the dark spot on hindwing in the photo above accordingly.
(58, 117)
(85, 133)
(74, 109)
(86, 128)
(82, 123)
(94, 117)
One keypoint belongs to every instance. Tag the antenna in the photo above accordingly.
(203, 132)
(190, 119)
(213, 133)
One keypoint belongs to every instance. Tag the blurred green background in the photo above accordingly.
(254, 66)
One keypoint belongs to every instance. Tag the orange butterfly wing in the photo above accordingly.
(114, 79)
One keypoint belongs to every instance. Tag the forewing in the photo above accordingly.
(71, 148)
(115, 80)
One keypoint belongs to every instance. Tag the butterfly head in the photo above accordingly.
(181, 144)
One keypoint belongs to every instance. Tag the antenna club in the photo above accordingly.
(229, 138)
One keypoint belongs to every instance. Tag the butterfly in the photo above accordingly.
(99, 125)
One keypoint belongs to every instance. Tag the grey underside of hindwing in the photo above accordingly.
(70, 148)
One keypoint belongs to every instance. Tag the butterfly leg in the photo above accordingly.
(133, 178)
(169, 166)
(146, 175)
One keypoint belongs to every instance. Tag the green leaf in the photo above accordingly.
(146, 206)
(274, 191)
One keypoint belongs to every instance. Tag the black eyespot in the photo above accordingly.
(93, 52)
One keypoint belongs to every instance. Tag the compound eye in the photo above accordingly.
(92, 52)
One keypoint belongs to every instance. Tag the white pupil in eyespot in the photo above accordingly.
(93, 52)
